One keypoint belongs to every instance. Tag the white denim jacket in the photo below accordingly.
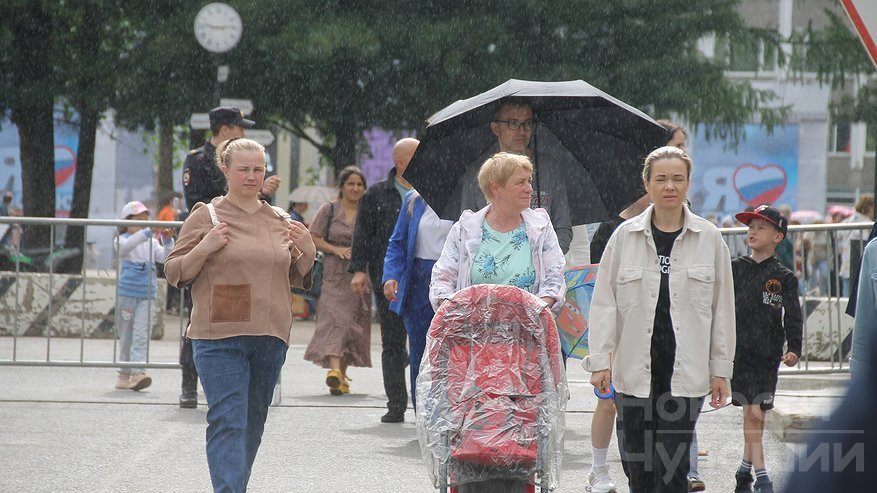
(452, 271)
(622, 314)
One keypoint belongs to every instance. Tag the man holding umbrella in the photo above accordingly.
(513, 125)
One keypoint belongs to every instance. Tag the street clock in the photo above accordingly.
(218, 27)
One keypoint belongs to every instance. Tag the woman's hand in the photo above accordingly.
(601, 380)
(549, 300)
(300, 237)
(391, 287)
(343, 252)
(719, 392)
(215, 239)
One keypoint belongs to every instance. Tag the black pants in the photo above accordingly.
(657, 439)
(187, 360)
(394, 356)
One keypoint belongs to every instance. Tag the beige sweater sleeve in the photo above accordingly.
(197, 225)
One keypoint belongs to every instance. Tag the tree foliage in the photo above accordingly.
(343, 66)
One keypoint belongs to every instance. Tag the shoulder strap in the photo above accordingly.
(212, 211)
(281, 213)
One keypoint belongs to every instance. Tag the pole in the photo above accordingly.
(873, 126)
(536, 163)
(217, 62)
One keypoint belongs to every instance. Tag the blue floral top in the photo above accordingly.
(504, 258)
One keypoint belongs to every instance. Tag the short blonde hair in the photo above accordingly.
(229, 147)
(666, 152)
(499, 168)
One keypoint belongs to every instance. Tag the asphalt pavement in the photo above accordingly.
(66, 429)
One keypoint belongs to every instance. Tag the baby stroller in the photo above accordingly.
(494, 393)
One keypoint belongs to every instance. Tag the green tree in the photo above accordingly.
(836, 54)
(92, 37)
(28, 84)
(165, 77)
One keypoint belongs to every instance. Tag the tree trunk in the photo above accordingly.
(75, 236)
(37, 149)
(343, 153)
(32, 113)
(165, 161)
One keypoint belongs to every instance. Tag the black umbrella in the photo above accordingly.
(596, 142)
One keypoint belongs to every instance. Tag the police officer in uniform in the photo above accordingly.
(203, 181)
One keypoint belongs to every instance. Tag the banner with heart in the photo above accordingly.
(758, 185)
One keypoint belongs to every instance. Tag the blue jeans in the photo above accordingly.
(132, 325)
(417, 316)
(238, 375)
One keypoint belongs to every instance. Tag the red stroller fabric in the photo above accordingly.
(494, 390)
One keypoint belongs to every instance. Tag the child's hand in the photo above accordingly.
(790, 359)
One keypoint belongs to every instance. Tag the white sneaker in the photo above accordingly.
(599, 481)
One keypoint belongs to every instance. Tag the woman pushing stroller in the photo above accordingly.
(505, 243)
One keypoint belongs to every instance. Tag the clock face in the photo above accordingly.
(218, 27)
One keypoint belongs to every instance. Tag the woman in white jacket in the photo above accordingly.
(505, 242)
(663, 307)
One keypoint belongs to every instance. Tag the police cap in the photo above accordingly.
(229, 115)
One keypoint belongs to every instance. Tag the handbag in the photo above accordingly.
(317, 272)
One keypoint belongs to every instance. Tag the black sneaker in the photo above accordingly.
(744, 482)
(393, 417)
(189, 400)
(763, 487)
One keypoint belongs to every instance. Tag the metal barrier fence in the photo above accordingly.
(25, 280)
(37, 302)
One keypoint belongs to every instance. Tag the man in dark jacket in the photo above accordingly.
(375, 220)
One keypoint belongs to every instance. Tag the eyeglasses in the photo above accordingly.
(516, 124)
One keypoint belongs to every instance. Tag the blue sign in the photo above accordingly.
(763, 169)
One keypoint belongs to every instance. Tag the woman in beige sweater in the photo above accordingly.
(241, 257)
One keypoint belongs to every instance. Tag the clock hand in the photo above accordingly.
(217, 26)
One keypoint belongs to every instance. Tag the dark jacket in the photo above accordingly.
(202, 178)
(768, 310)
(854, 278)
(375, 220)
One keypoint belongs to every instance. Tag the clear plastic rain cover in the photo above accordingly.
(492, 390)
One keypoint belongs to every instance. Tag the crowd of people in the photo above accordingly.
(678, 312)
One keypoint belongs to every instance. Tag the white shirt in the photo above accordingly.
(431, 235)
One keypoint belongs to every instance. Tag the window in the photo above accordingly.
(840, 138)
(744, 54)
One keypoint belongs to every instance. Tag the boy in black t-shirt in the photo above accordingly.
(768, 316)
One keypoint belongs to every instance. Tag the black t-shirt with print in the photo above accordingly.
(663, 348)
